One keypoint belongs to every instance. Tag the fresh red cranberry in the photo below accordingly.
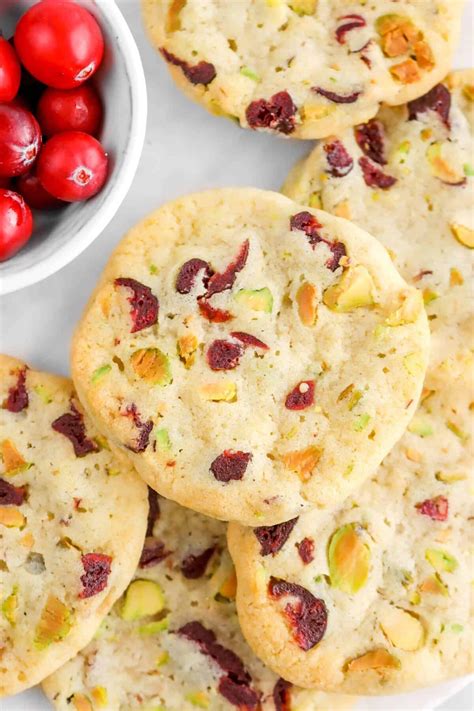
(20, 139)
(78, 109)
(35, 195)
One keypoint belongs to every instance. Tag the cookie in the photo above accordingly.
(64, 503)
(375, 598)
(173, 640)
(407, 178)
(303, 68)
(253, 359)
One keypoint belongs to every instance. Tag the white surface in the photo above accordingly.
(61, 236)
(185, 150)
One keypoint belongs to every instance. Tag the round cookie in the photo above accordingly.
(407, 178)
(64, 499)
(253, 359)
(173, 641)
(376, 597)
(303, 68)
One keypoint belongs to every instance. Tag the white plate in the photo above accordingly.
(185, 150)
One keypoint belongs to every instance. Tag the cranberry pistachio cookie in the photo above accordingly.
(173, 640)
(253, 359)
(64, 559)
(303, 68)
(407, 177)
(376, 597)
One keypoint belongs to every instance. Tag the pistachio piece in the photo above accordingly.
(12, 459)
(407, 310)
(11, 517)
(464, 235)
(304, 7)
(163, 442)
(100, 372)
(81, 703)
(302, 461)
(256, 299)
(440, 168)
(225, 391)
(142, 598)
(433, 585)
(354, 290)
(10, 605)
(442, 561)
(402, 629)
(54, 624)
(375, 659)
(307, 304)
(198, 699)
(348, 559)
(187, 347)
(152, 366)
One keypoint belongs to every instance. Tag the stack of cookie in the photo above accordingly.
(264, 360)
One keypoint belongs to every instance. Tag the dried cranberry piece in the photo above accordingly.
(374, 177)
(354, 22)
(238, 694)
(153, 552)
(221, 281)
(339, 161)
(248, 340)
(194, 566)
(153, 511)
(230, 465)
(337, 98)
(97, 567)
(201, 73)
(17, 399)
(224, 355)
(437, 508)
(144, 429)
(307, 223)
(186, 278)
(11, 495)
(338, 250)
(438, 99)
(301, 397)
(307, 615)
(145, 306)
(273, 538)
(235, 684)
(212, 314)
(370, 139)
(306, 550)
(277, 113)
(282, 695)
(71, 425)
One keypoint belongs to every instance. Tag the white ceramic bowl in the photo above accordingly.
(60, 236)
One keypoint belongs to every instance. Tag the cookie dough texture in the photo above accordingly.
(303, 68)
(392, 566)
(64, 558)
(147, 664)
(291, 395)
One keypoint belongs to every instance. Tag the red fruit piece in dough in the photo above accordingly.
(224, 355)
(276, 113)
(374, 177)
(248, 340)
(306, 550)
(307, 614)
(273, 538)
(230, 465)
(186, 279)
(17, 399)
(371, 139)
(11, 495)
(97, 567)
(145, 306)
(339, 161)
(437, 508)
(194, 566)
(71, 425)
(235, 684)
(144, 429)
(201, 73)
(153, 552)
(282, 695)
(212, 314)
(337, 98)
(307, 223)
(301, 397)
(221, 281)
(438, 99)
(353, 22)
(153, 511)
(338, 250)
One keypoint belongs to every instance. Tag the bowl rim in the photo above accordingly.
(132, 153)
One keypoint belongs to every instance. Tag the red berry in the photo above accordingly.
(72, 166)
(59, 43)
(35, 195)
(16, 223)
(20, 139)
(10, 72)
(77, 109)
